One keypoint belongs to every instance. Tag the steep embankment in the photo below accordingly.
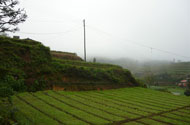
(29, 65)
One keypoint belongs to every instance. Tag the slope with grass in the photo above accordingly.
(27, 65)
(65, 55)
(119, 106)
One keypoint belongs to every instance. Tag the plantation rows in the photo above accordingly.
(121, 106)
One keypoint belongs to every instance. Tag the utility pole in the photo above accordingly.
(84, 40)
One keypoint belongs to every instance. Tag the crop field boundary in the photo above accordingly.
(89, 105)
(60, 122)
(147, 100)
(149, 116)
(127, 102)
(109, 107)
(77, 107)
(30, 120)
(118, 100)
(147, 97)
(74, 116)
(161, 121)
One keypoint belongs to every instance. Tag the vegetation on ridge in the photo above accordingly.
(27, 65)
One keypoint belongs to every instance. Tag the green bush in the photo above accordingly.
(141, 83)
(38, 85)
(187, 92)
(7, 112)
(6, 91)
(17, 84)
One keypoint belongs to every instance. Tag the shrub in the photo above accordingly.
(141, 83)
(38, 85)
(187, 92)
(17, 84)
(6, 91)
(7, 112)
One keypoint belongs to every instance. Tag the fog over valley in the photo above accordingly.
(137, 29)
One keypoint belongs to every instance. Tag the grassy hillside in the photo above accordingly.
(121, 106)
(172, 73)
(65, 55)
(179, 69)
(27, 65)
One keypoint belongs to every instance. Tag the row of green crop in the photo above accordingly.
(95, 96)
(78, 112)
(54, 113)
(150, 108)
(148, 100)
(123, 103)
(132, 100)
(90, 107)
(167, 118)
(167, 96)
(139, 101)
(69, 109)
(123, 113)
(160, 96)
(85, 108)
(35, 116)
(111, 101)
(117, 106)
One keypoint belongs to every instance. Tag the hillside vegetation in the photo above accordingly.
(27, 65)
(121, 106)
(65, 55)
(162, 72)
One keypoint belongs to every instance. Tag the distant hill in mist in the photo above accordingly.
(172, 71)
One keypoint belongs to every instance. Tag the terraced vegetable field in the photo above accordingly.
(121, 106)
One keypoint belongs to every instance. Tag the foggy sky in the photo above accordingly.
(115, 28)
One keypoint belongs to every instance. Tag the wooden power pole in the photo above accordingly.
(84, 40)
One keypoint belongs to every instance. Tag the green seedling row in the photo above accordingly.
(126, 106)
(34, 115)
(169, 120)
(91, 110)
(78, 114)
(134, 103)
(99, 105)
(53, 112)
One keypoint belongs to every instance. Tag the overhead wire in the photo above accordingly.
(139, 44)
(52, 33)
(110, 35)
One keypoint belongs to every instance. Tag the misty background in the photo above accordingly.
(137, 29)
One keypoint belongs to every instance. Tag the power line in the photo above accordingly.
(141, 45)
(53, 33)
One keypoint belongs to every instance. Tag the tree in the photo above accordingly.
(10, 15)
(149, 78)
(94, 60)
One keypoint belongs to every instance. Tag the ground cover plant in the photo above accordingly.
(120, 106)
